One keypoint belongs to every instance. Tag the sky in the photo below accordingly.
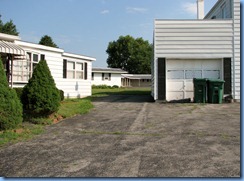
(87, 26)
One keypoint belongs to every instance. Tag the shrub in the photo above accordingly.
(11, 111)
(115, 86)
(61, 92)
(40, 96)
(19, 92)
(104, 87)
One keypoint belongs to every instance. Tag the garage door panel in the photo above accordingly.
(211, 74)
(189, 95)
(191, 74)
(211, 64)
(192, 64)
(180, 75)
(175, 86)
(175, 95)
(175, 64)
(175, 74)
(188, 86)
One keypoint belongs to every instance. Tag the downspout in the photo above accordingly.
(155, 69)
(233, 58)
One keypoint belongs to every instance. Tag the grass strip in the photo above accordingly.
(25, 132)
(122, 133)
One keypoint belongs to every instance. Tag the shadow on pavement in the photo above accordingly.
(124, 98)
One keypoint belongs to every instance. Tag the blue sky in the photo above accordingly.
(87, 26)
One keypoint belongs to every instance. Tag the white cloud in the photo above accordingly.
(105, 12)
(135, 10)
(190, 8)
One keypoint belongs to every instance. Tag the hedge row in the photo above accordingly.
(104, 87)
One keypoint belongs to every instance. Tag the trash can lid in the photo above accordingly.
(199, 80)
(216, 80)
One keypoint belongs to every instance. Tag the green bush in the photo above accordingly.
(19, 92)
(115, 87)
(40, 96)
(61, 92)
(11, 112)
(104, 87)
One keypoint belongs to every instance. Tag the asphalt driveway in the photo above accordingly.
(130, 136)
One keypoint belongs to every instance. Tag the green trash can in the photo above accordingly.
(215, 91)
(200, 90)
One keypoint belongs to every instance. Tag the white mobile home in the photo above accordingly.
(201, 48)
(136, 80)
(71, 72)
(107, 76)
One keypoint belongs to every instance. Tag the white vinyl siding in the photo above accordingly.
(236, 48)
(115, 79)
(202, 39)
(193, 39)
(73, 87)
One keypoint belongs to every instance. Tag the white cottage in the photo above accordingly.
(107, 76)
(71, 72)
(202, 48)
(136, 80)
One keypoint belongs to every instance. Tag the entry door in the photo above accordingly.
(180, 74)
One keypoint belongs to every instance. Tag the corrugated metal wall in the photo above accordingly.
(193, 38)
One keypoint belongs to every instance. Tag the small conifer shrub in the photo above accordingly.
(40, 96)
(11, 112)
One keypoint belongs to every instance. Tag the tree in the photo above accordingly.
(8, 28)
(47, 41)
(129, 54)
(10, 105)
(40, 96)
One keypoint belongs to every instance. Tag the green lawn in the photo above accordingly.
(23, 132)
(72, 107)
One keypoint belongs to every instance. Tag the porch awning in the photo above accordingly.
(10, 48)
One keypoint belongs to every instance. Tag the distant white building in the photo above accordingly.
(136, 80)
(107, 76)
(71, 72)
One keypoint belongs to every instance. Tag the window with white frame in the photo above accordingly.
(79, 71)
(73, 70)
(23, 68)
(35, 60)
(70, 70)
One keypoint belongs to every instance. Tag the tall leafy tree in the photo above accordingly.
(10, 105)
(8, 27)
(130, 54)
(47, 41)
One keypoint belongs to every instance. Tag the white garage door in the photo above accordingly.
(180, 74)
